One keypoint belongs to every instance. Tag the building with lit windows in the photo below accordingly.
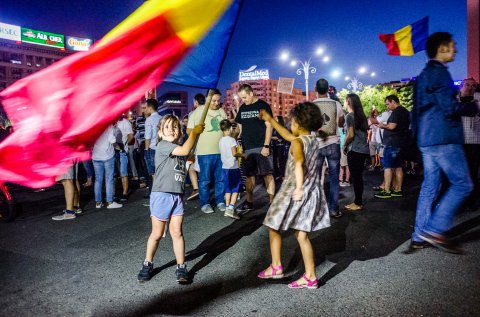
(173, 102)
(266, 89)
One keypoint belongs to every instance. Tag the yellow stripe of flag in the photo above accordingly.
(190, 19)
(403, 37)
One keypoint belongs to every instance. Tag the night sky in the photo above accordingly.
(348, 30)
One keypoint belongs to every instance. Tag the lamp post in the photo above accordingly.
(306, 68)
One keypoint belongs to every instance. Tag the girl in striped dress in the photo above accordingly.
(300, 203)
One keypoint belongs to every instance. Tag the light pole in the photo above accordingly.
(306, 68)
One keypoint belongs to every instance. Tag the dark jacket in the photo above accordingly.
(436, 112)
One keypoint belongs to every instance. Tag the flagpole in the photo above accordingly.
(202, 121)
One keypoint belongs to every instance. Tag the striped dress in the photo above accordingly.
(310, 213)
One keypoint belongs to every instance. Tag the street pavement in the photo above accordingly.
(89, 266)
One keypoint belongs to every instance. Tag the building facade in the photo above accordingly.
(266, 89)
(173, 102)
(18, 60)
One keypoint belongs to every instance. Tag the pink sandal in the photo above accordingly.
(311, 284)
(274, 274)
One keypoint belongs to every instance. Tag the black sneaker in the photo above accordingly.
(415, 246)
(145, 273)
(246, 206)
(397, 194)
(182, 273)
(336, 215)
(123, 197)
(384, 195)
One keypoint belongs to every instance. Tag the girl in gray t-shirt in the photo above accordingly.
(166, 204)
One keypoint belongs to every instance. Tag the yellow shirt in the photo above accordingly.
(209, 139)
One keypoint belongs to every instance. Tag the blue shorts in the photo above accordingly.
(163, 206)
(392, 157)
(232, 180)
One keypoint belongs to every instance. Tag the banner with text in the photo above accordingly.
(10, 32)
(285, 85)
(43, 38)
(78, 44)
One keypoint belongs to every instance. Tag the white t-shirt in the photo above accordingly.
(228, 160)
(103, 148)
(382, 118)
(125, 128)
(333, 139)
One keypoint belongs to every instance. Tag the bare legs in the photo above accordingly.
(158, 228)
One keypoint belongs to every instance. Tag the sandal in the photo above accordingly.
(354, 207)
(274, 275)
(311, 284)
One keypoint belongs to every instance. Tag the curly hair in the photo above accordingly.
(308, 116)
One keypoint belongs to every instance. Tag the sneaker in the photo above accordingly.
(193, 195)
(207, 209)
(344, 184)
(146, 204)
(145, 273)
(221, 207)
(114, 205)
(246, 206)
(230, 212)
(441, 242)
(414, 246)
(123, 197)
(397, 194)
(65, 215)
(336, 215)
(384, 194)
(181, 273)
(98, 205)
(78, 210)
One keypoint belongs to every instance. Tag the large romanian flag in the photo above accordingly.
(408, 40)
(59, 112)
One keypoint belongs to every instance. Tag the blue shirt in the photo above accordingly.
(151, 129)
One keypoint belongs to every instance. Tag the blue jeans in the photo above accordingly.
(104, 167)
(435, 214)
(150, 161)
(210, 167)
(88, 168)
(332, 154)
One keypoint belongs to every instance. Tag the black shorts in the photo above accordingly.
(258, 165)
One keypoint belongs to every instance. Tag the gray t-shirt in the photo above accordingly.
(169, 169)
(359, 143)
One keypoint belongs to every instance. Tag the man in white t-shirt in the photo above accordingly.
(333, 117)
(125, 131)
(208, 153)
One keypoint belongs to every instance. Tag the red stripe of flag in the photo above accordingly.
(390, 43)
(59, 112)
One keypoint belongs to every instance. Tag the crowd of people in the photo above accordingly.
(441, 134)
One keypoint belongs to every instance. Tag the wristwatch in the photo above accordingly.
(266, 146)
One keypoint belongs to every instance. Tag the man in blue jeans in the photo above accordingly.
(333, 117)
(208, 153)
(436, 122)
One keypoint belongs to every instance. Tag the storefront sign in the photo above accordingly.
(78, 43)
(253, 74)
(10, 32)
(43, 38)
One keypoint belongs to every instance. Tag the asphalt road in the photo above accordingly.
(88, 266)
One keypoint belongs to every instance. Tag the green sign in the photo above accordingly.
(43, 38)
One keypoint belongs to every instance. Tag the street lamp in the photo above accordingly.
(306, 68)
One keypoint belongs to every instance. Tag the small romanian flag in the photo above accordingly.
(408, 40)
